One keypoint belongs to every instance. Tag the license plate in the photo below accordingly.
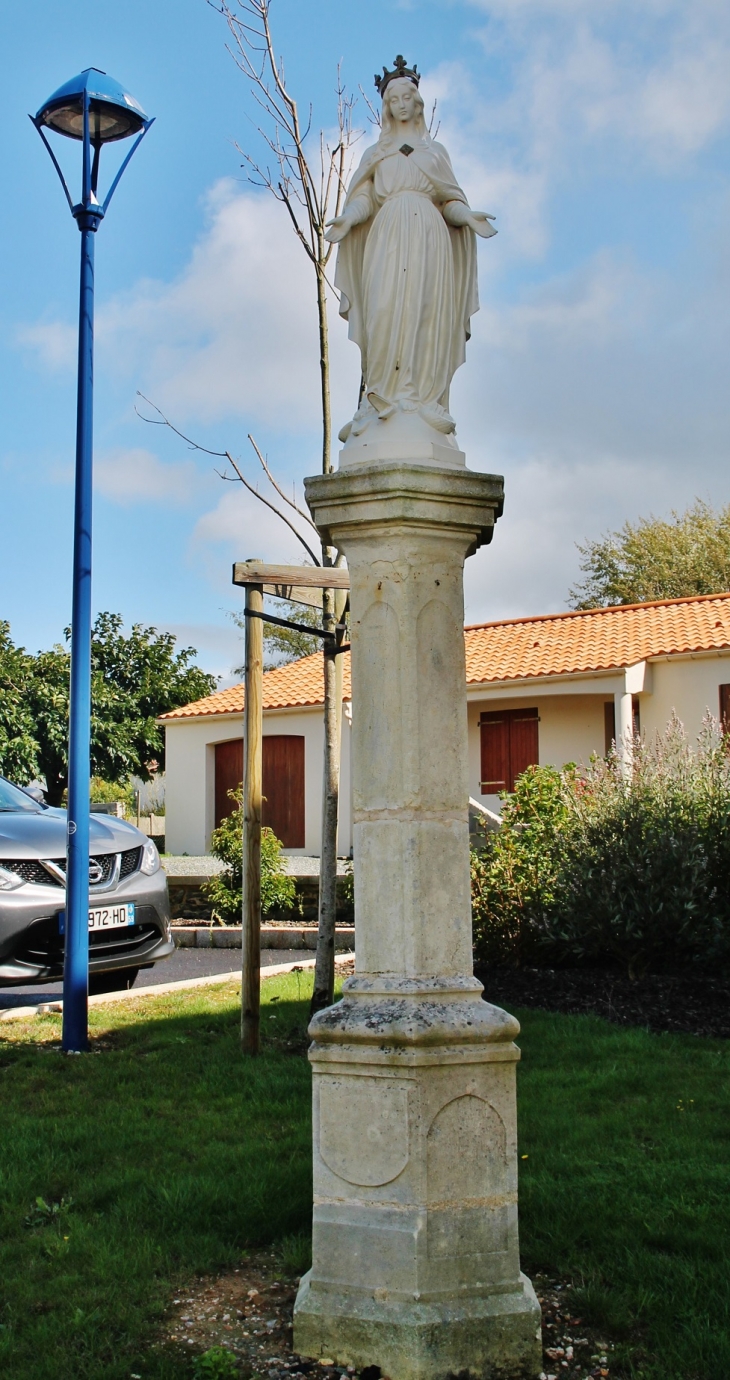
(104, 917)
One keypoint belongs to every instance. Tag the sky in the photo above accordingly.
(598, 134)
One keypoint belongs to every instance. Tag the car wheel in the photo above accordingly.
(119, 981)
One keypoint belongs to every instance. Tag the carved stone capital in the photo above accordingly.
(400, 495)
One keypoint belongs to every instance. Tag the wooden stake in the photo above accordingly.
(252, 772)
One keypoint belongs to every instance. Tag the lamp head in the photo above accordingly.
(113, 113)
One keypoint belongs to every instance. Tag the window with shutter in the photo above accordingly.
(495, 753)
(509, 744)
(523, 742)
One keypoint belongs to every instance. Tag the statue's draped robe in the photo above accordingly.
(407, 279)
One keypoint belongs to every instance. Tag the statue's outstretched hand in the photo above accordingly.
(458, 213)
(338, 228)
(480, 223)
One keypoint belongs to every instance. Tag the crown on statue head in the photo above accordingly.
(400, 70)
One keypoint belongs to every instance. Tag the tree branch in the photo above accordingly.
(279, 490)
(272, 506)
(226, 455)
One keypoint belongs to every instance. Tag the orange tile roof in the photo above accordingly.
(299, 683)
(560, 644)
(556, 644)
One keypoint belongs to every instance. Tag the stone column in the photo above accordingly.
(415, 1251)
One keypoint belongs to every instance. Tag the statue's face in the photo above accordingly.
(402, 101)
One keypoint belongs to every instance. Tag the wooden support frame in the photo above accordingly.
(252, 804)
(283, 582)
(299, 584)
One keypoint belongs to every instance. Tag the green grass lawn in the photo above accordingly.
(169, 1155)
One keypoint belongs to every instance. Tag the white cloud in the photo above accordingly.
(234, 335)
(651, 72)
(133, 475)
(219, 646)
(236, 332)
(241, 528)
(55, 343)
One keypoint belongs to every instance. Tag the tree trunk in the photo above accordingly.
(324, 970)
(324, 366)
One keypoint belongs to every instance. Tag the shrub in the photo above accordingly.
(513, 879)
(226, 890)
(600, 867)
(643, 879)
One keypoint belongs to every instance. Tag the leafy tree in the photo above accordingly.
(18, 746)
(282, 645)
(226, 890)
(657, 559)
(133, 680)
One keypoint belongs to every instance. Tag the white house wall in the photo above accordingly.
(190, 777)
(689, 686)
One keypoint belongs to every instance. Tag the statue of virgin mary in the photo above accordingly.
(406, 269)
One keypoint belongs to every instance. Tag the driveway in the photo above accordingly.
(184, 963)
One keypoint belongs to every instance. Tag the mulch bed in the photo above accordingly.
(685, 1004)
(249, 1312)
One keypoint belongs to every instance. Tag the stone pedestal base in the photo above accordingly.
(496, 1338)
(415, 1259)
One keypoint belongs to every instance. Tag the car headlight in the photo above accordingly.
(150, 859)
(9, 880)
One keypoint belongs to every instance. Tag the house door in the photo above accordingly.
(282, 785)
(509, 745)
(228, 776)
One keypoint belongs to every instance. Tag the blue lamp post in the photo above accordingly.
(95, 110)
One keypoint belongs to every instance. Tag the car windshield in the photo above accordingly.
(13, 799)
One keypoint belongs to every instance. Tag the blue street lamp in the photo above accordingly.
(96, 110)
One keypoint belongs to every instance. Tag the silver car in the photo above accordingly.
(129, 910)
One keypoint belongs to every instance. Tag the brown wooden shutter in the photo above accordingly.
(725, 708)
(609, 725)
(509, 745)
(494, 729)
(283, 787)
(523, 743)
(228, 776)
(635, 716)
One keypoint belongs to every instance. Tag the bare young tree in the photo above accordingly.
(312, 191)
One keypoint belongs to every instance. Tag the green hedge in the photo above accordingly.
(595, 867)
